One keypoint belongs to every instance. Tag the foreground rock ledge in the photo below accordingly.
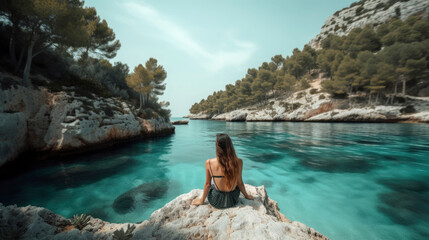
(257, 219)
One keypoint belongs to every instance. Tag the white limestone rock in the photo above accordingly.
(250, 219)
(234, 116)
(75, 122)
(343, 21)
(65, 121)
(200, 116)
(311, 105)
(420, 117)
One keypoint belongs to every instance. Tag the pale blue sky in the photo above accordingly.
(204, 45)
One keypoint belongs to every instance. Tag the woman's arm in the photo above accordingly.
(199, 201)
(240, 180)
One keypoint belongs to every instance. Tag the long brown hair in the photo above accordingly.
(225, 152)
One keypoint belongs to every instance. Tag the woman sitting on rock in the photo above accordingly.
(223, 176)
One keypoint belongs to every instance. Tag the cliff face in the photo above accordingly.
(36, 119)
(368, 12)
(178, 219)
(316, 106)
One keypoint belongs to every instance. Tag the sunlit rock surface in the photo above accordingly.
(35, 119)
(250, 219)
(316, 106)
(200, 116)
(372, 12)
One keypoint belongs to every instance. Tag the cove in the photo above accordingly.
(347, 180)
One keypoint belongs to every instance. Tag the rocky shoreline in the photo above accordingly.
(178, 219)
(35, 120)
(313, 106)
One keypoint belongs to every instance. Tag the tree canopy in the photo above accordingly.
(148, 81)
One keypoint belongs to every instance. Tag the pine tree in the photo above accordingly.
(49, 22)
(100, 39)
(140, 81)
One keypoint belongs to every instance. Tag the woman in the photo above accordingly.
(223, 176)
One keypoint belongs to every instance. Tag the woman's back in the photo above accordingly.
(218, 175)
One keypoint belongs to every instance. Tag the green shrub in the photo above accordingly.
(336, 28)
(398, 11)
(12, 231)
(322, 97)
(290, 107)
(408, 109)
(359, 10)
(124, 235)
(80, 221)
(379, 5)
(343, 105)
(313, 91)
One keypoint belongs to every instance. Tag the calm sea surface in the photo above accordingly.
(346, 180)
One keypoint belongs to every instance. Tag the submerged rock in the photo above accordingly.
(81, 174)
(250, 219)
(345, 164)
(406, 203)
(143, 194)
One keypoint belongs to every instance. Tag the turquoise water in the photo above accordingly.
(346, 180)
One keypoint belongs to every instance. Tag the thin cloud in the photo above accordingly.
(181, 39)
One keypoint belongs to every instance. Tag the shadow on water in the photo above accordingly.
(143, 194)
(307, 179)
(332, 160)
(264, 157)
(346, 164)
(82, 174)
(42, 185)
(407, 202)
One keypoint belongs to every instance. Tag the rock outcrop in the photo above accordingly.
(365, 12)
(311, 105)
(199, 116)
(180, 122)
(250, 219)
(33, 118)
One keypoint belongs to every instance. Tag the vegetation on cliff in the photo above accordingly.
(69, 44)
(373, 63)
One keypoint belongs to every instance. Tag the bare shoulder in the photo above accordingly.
(208, 161)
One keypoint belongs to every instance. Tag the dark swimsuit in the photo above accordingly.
(221, 199)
